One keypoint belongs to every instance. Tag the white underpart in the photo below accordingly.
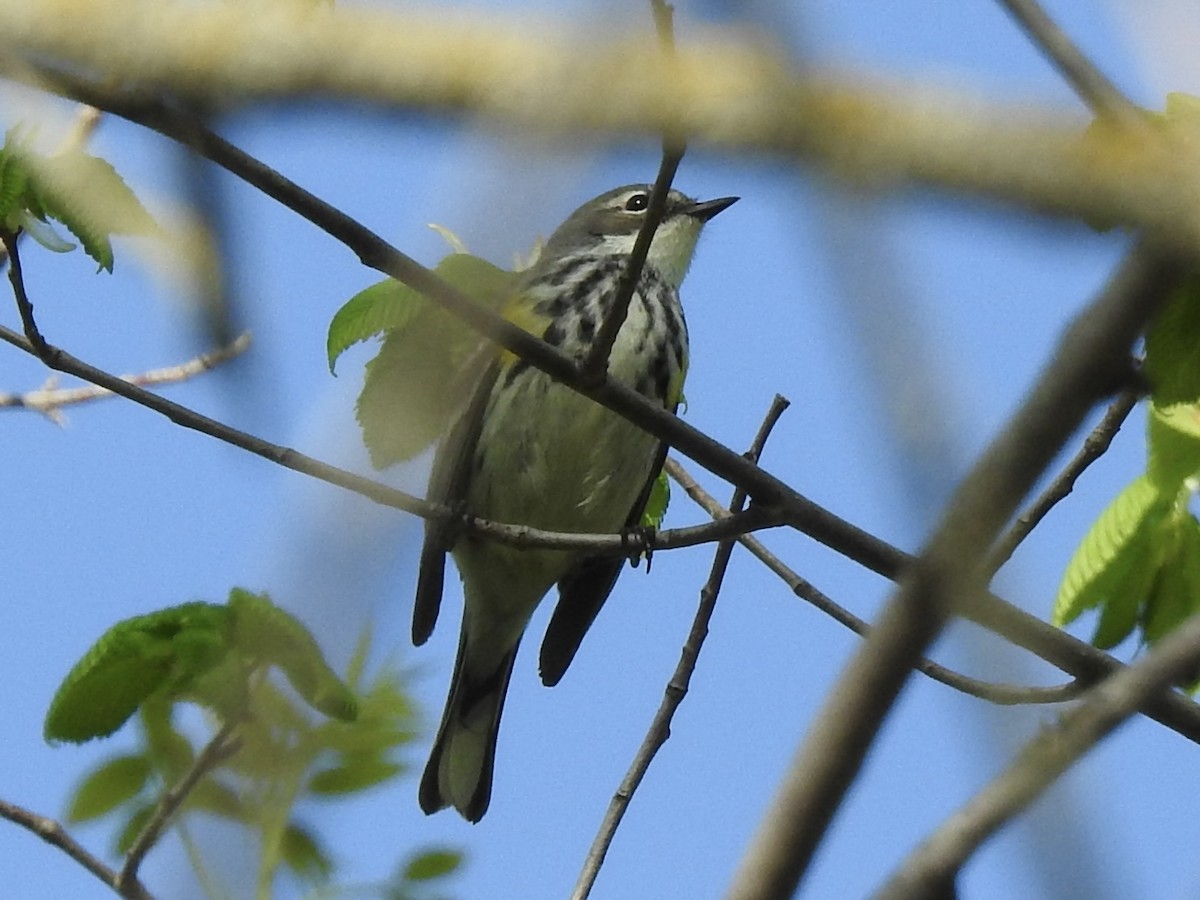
(670, 251)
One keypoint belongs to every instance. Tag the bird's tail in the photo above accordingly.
(459, 771)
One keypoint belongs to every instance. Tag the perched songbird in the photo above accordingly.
(527, 450)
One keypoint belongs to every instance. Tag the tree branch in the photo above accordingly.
(1092, 85)
(595, 365)
(1043, 760)
(52, 832)
(1090, 361)
(1001, 694)
(677, 687)
(222, 745)
(1095, 446)
(50, 399)
(537, 78)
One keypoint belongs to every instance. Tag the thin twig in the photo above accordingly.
(50, 398)
(1044, 759)
(52, 832)
(595, 364)
(517, 535)
(37, 343)
(677, 687)
(1095, 446)
(222, 745)
(1092, 85)
(993, 692)
(1091, 358)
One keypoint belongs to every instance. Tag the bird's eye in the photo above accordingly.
(637, 202)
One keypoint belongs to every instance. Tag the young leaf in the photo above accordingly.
(1173, 445)
(424, 367)
(1177, 593)
(304, 855)
(267, 634)
(107, 787)
(353, 775)
(133, 659)
(373, 310)
(1172, 364)
(1117, 561)
(87, 195)
(656, 505)
(431, 864)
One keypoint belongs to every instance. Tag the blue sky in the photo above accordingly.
(903, 328)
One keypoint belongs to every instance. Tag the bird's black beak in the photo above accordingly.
(706, 209)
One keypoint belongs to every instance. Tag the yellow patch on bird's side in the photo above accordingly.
(520, 312)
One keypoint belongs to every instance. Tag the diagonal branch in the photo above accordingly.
(1092, 85)
(50, 399)
(1095, 446)
(1043, 760)
(52, 832)
(677, 687)
(595, 365)
(1001, 694)
(1091, 360)
(222, 745)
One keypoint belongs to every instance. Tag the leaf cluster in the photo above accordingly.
(1139, 563)
(218, 656)
(81, 191)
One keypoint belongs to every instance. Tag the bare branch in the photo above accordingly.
(538, 78)
(1001, 694)
(1092, 85)
(1044, 759)
(221, 747)
(52, 832)
(1090, 359)
(596, 364)
(1093, 448)
(49, 399)
(677, 687)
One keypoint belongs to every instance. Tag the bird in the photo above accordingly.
(528, 450)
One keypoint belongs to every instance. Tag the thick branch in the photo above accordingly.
(1044, 760)
(536, 77)
(1091, 361)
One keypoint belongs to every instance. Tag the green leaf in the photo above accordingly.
(107, 787)
(431, 864)
(268, 634)
(424, 368)
(656, 505)
(304, 856)
(1173, 445)
(1172, 364)
(217, 798)
(133, 826)
(170, 751)
(1177, 592)
(353, 776)
(1116, 562)
(387, 304)
(133, 659)
(87, 195)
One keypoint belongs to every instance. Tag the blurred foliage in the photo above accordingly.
(280, 750)
(1139, 563)
(83, 192)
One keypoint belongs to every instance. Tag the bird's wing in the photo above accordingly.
(448, 485)
(583, 590)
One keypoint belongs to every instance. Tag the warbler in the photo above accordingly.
(528, 450)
